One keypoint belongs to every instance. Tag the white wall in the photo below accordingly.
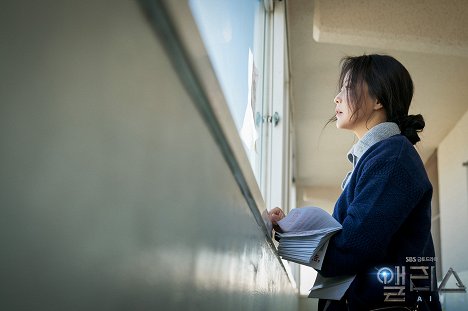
(114, 195)
(453, 191)
(432, 173)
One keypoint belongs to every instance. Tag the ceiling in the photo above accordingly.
(430, 38)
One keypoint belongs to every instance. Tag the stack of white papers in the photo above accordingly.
(306, 231)
(301, 247)
(305, 236)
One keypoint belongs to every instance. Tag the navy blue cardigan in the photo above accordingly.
(385, 211)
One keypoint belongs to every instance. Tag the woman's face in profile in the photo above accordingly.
(343, 110)
(346, 116)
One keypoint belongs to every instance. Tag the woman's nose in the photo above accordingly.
(337, 99)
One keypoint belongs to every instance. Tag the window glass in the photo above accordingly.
(233, 34)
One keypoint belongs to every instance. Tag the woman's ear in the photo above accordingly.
(377, 105)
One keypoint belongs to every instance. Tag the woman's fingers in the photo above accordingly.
(276, 214)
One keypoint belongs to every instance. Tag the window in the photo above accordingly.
(234, 36)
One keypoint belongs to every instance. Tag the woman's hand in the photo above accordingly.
(275, 215)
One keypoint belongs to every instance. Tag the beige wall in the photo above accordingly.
(323, 197)
(453, 190)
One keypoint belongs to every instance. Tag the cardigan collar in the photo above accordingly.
(378, 133)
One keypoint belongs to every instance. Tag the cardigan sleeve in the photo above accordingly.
(385, 194)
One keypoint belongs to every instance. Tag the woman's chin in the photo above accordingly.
(340, 125)
(343, 126)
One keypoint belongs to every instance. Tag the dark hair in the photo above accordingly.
(389, 82)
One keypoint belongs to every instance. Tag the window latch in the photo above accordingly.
(259, 118)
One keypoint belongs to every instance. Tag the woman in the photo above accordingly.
(385, 206)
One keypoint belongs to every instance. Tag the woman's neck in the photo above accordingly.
(361, 130)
